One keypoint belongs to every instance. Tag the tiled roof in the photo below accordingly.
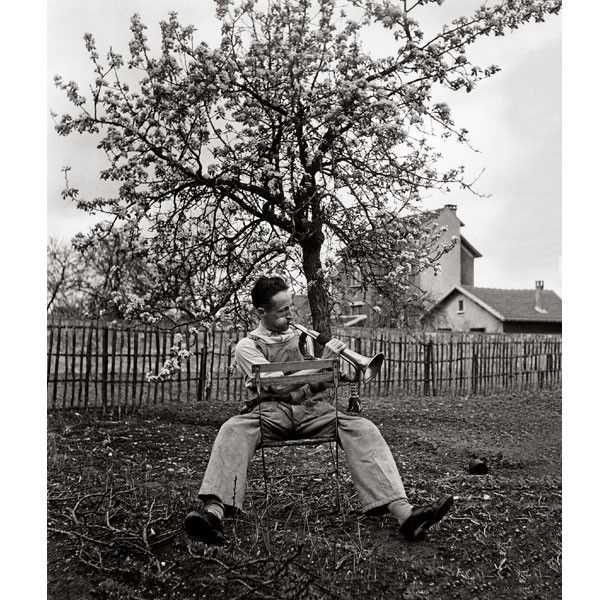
(518, 305)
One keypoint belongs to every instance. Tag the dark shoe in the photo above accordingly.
(415, 526)
(423, 517)
(441, 508)
(204, 527)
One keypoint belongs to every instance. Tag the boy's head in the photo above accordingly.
(272, 300)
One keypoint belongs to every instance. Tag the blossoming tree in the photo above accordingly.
(84, 283)
(285, 142)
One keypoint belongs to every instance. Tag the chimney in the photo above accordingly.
(539, 306)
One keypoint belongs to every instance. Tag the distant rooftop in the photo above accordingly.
(518, 305)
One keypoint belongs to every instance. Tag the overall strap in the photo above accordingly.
(259, 344)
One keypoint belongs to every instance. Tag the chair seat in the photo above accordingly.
(329, 374)
(297, 442)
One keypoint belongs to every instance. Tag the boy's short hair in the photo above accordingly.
(265, 288)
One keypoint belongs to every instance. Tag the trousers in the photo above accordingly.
(369, 459)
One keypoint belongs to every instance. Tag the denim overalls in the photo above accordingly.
(370, 462)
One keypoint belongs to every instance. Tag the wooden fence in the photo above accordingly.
(97, 364)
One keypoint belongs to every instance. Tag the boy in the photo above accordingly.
(301, 412)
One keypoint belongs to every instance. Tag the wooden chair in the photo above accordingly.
(329, 374)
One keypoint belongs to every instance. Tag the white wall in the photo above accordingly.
(450, 263)
(473, 316)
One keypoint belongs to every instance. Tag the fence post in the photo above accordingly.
(162, 382)
(66, 379)
(73, 367)
(104, 368)
(460, 366)
(88, 362)
(229, 367)
(557, 350)
(427, 368)
(431, 367)
(80, 366)
(203, 367)
(50, 354)
(51, 330)
(56, 372)
(220, 355)
(144, 346)
(525, 364)
(475, 368)
(113, 367)
(157, 359)
(450, 376)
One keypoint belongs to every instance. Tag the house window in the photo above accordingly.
(460, 306)
(356, 308)
(355, 278)
(478, 329)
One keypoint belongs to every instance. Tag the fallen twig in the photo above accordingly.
(79, 535)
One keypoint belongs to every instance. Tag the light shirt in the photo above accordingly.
(247, 354)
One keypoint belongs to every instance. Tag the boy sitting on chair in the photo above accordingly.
(288, 413)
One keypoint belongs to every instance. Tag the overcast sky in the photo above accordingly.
(514, 120)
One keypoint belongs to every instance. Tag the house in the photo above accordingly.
(469, 308)
(361, 306)
(457, 265)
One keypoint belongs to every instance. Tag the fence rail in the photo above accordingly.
(97, 364)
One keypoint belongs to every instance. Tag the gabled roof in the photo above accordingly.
(475, 253)
(511, 305)
(352, 320)
(433, 213)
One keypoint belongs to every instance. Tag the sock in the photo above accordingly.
(401, 509)
(216, 507)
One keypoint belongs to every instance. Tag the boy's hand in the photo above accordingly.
(333, 348)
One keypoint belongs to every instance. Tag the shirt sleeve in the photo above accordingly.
(246, 355)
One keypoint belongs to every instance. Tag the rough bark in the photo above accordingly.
(317, 291)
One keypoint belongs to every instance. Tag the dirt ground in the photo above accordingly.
(118, 491)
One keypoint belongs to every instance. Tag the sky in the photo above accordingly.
(514, 119)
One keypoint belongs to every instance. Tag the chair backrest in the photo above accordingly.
(326, 370)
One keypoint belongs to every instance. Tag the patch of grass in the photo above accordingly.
(118, 491)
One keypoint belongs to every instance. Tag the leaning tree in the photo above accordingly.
(283, 144)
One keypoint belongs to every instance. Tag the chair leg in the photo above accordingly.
(335, 458)
(265, 476)
(260, 425)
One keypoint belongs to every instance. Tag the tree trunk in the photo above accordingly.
(317, 291)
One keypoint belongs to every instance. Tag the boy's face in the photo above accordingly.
(277, 316)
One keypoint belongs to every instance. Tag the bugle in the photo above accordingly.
(367, 367)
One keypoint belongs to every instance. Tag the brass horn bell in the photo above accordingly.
(368, 367)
